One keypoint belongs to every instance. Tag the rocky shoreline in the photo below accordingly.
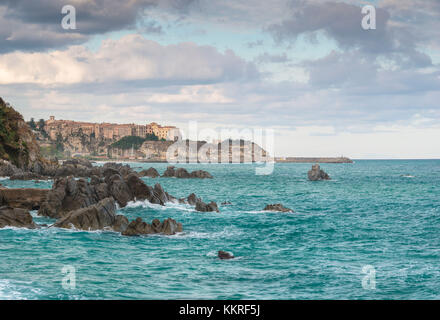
(85, 197)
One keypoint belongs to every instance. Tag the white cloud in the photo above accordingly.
(131, 58)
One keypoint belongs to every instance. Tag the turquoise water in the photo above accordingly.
(385, 214)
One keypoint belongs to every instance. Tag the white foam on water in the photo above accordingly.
(9, 291)
(227, 232)
(34, 214)
(169, 205)
(407, 176)
(4, 178)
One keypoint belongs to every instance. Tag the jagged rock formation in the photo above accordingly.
(316, 173)
(206, 207)
(29, 199)
(111, 180)
(95, 217)
(193, 200)
(277, 207)
(16, 217)
(18, 145)
(139, 227)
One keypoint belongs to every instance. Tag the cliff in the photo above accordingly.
(17, 142)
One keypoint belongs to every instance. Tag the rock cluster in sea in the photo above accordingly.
(316, 173)
(16, 217)
(223, 255)
(171, 171)
(91, 205)
(277, 207)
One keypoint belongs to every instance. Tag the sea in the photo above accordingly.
(371, 232)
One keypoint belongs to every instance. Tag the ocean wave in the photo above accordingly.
(407, 176)
(169, 205)
(228, 232)
(9, 291)
(4, 178)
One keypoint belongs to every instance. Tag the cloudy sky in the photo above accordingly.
(306, 69)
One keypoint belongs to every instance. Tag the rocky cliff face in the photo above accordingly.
(17, 142)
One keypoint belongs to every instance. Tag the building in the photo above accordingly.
(112, 131)
(166, 132)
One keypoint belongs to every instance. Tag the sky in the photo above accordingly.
(305, 69)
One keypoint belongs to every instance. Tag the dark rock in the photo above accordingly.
(316, 173)
(68, 194)
(193, 199)
(118, 168)
(151, 172)
(26, 176)
(226, 203)
(182, 173)
(203, 207)
(101, 191)
(169, 172)
(160, 193)
(120, 224)
(26, 198)
(108, 172)
(139, 227)
(139, 190)
(277, 207)
(16, 217)
(95, 217)
(94, 180)
(7, 169)
(119, 190)
(200, 174)
(224, 255)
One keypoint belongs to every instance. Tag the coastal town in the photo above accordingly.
(114, 131)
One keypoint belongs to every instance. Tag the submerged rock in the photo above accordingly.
(16, 217)
(139, 227)
(277, 207)
(206, 207)
(201, 174)
(182, 173)
(169, 172)
(193, 199)
(316, 173)
(151, 172)
(224, 255)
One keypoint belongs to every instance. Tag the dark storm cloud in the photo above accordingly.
(342, 22)
(36, 25)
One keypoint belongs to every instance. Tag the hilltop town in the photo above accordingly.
(105, 130)
(102, 141)
(68, 138)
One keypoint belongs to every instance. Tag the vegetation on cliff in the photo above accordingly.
(134, 142)
(17, 143)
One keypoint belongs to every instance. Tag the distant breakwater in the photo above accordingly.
(314, 160)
